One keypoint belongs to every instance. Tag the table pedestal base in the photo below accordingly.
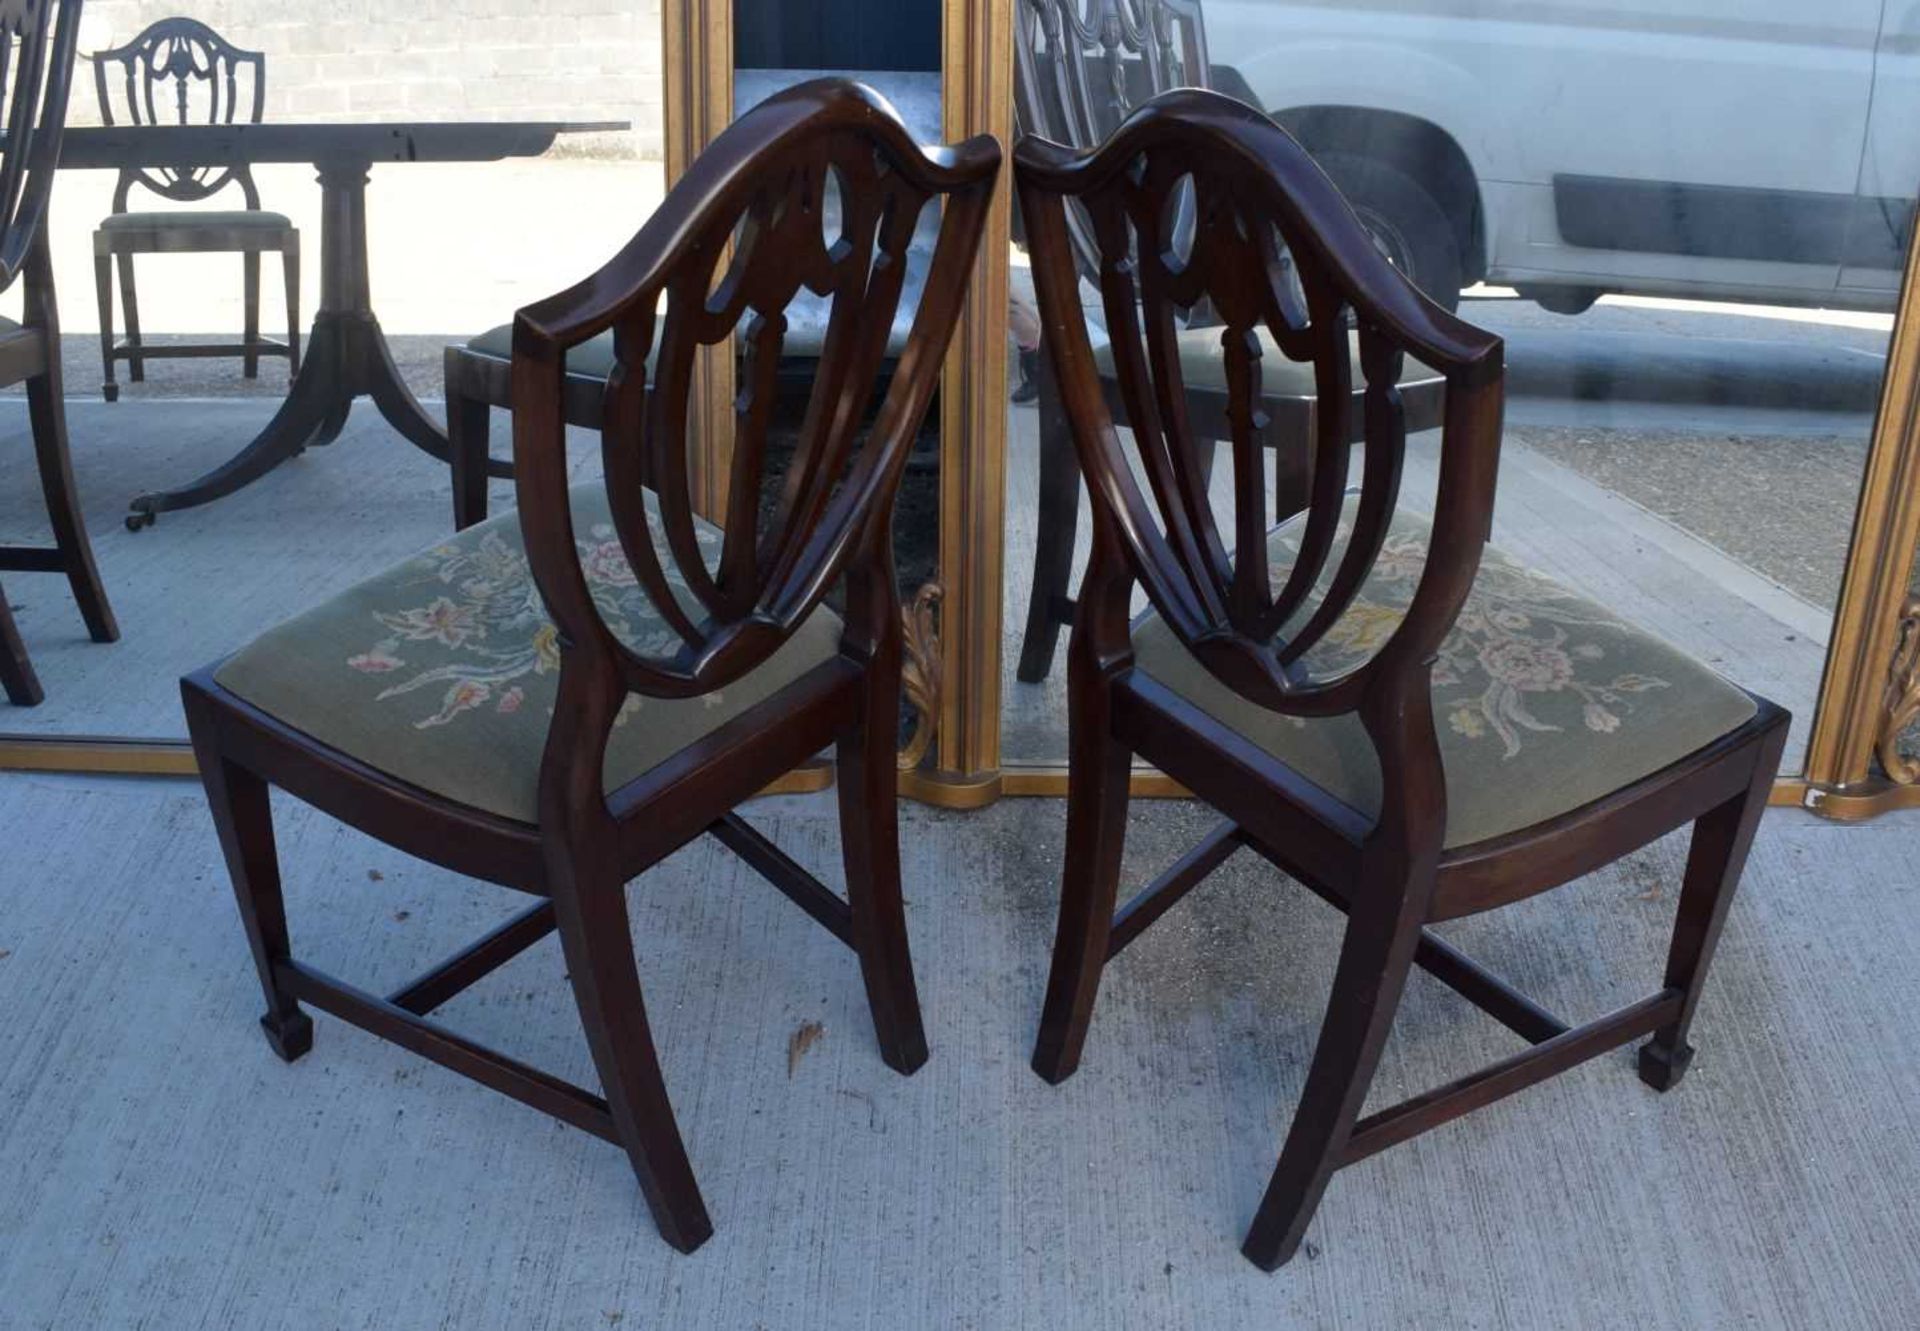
(347, 358)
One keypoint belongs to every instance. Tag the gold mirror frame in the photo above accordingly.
(1869, 694)
(952, 626)
(1871, 691)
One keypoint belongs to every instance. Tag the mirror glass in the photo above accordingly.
(895, 49)
(451, 249)
(1694, 275)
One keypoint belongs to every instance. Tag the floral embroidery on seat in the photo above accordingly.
(1525, 656)
(483, 627)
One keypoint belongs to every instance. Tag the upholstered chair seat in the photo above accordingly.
(1543, 700)
(805, 336)
(198, 219)
(442, 671)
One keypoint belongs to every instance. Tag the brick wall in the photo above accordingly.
(428, 59)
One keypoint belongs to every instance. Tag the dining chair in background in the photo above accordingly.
(477, 372)
(36, 74)
(1408, 722)
(1079, 68)
(558, 698)
(181, 71)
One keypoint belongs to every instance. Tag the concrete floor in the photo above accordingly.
(160, 1168)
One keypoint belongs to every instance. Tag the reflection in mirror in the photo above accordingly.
(460, 230)
(1696, 302)
(895, 49)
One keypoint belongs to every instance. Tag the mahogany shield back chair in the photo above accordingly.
(556, 699)
(182, 71)
(1406, 721)
(36, 71)
(1080, 66)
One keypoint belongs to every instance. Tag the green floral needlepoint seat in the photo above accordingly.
(442, 671)
(1543, 699)
(592, 359)
(187, 218)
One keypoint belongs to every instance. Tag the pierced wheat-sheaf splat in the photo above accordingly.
(1197, 199)
(180, 71)
(37, 40)
(1901, 707)
(817, 190)
(1081, 65)
(1074, 55)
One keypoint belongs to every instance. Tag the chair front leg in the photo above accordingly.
(1057, 517)
(867, 778)
(103, 293)
(243, 817)
(1098, 768)
(1372, 973)
(1716, 855)
(16, 667)
(591, 910)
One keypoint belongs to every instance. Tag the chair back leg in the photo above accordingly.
(1372, 974)
(103, 294)
(130, 307)
(1058, 516)
(290, 274)
(1099, 767)
(250, 338)
(16, 668)
(597, 941)
(1716, 857)
(47, 412)
(866, 777)
(469, 421)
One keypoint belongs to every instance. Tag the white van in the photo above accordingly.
(1760, 150)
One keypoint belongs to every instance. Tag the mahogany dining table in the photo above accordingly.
(347, 356)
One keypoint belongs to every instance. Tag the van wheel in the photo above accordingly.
(1406, 222)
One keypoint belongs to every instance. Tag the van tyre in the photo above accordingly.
(1406, 221)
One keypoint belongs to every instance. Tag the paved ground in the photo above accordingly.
(160, 1169)
(1745, 426)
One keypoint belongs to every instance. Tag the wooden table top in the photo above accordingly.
(117, 146)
